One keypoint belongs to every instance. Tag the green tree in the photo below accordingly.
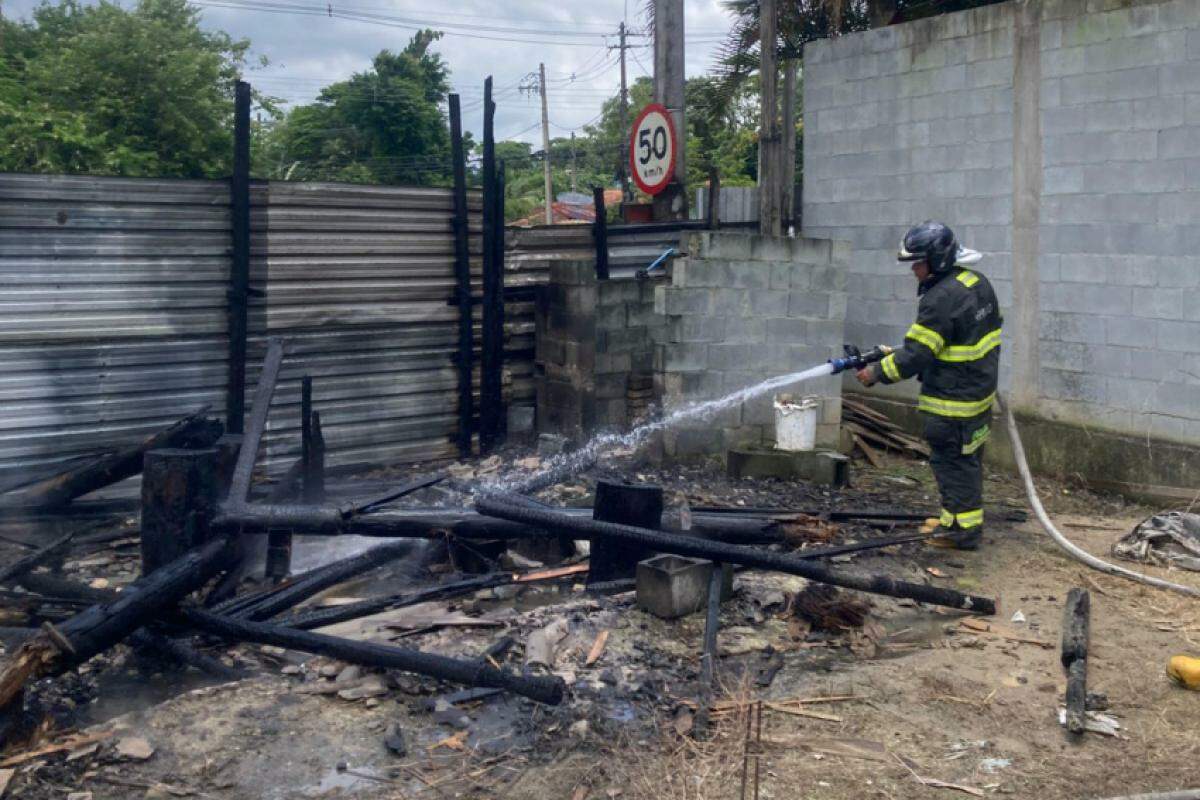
(384, 125)
(104, 90)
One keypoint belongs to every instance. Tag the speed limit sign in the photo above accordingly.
(652, 149)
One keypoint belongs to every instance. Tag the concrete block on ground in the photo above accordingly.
(823, 467)
(671, 586)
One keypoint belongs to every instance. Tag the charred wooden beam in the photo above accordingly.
(239, 490)
(600, 233)
(179, 652)
(239, 271)
(191, 431)
(470, 673)
(491, 356)
(437, 523)
(331, 616)
(1075, 635)
(103, 625)
(22, 566)
(405, 489)
(462, 283)
(305, 586)
(499, 506)
(712, 622)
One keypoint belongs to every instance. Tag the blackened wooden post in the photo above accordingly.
(640, 505)
(314, 471)
(279, 543)
(180, 492)
(239, 270)
(600, 234)
(498, 319)
(462, 276)
(1076, 624)
(491, 400)
(714, 199)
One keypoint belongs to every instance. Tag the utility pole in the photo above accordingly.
(574, 169)
(546, 145)
(623, 162)
(671, 203)
(787, 148)
(768, 139)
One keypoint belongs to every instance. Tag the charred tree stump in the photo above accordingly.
(517, 511)
(1075, 635)
(547, 689)
(626, 504)
(180, 492)
(191, 431)
(101, 626)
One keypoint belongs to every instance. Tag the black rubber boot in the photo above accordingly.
(956, 539)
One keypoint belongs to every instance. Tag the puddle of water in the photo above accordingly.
(348, 780)
(119, 692)
(622, 711)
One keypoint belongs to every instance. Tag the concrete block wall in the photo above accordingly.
(592, 337)
(740, 309)
(1090, 235)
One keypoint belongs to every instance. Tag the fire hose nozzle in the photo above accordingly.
(856, 359)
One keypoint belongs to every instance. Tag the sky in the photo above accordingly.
(307, 49)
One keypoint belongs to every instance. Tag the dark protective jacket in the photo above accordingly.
(954, 346)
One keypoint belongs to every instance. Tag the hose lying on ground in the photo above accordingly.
(1062, 541)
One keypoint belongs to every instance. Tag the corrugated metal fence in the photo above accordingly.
(113, 318)
(112, 321)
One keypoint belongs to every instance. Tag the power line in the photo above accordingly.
(390, 21)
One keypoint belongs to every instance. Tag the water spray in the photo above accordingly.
(563, 466)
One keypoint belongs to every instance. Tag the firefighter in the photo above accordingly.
(954, 348)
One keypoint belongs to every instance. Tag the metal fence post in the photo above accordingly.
(491, 400)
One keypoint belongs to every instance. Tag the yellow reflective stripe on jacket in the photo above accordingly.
(967, 278)
(954, 408)
(981, 436)
(946, 520)
(930, 338)
(889, 368)
(971, 352)
(970, 519)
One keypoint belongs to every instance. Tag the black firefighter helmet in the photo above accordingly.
(931, 242)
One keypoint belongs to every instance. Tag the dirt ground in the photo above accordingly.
(922, 705)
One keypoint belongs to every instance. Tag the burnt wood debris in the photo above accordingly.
(199, 509)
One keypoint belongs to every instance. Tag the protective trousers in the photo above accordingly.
(956, 446)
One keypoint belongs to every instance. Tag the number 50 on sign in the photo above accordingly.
(652, 148)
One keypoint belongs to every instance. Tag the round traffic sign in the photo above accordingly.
(652, 149)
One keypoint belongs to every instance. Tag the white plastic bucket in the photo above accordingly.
(796, 422)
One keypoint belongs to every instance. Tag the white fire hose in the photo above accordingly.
(1062, 541)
